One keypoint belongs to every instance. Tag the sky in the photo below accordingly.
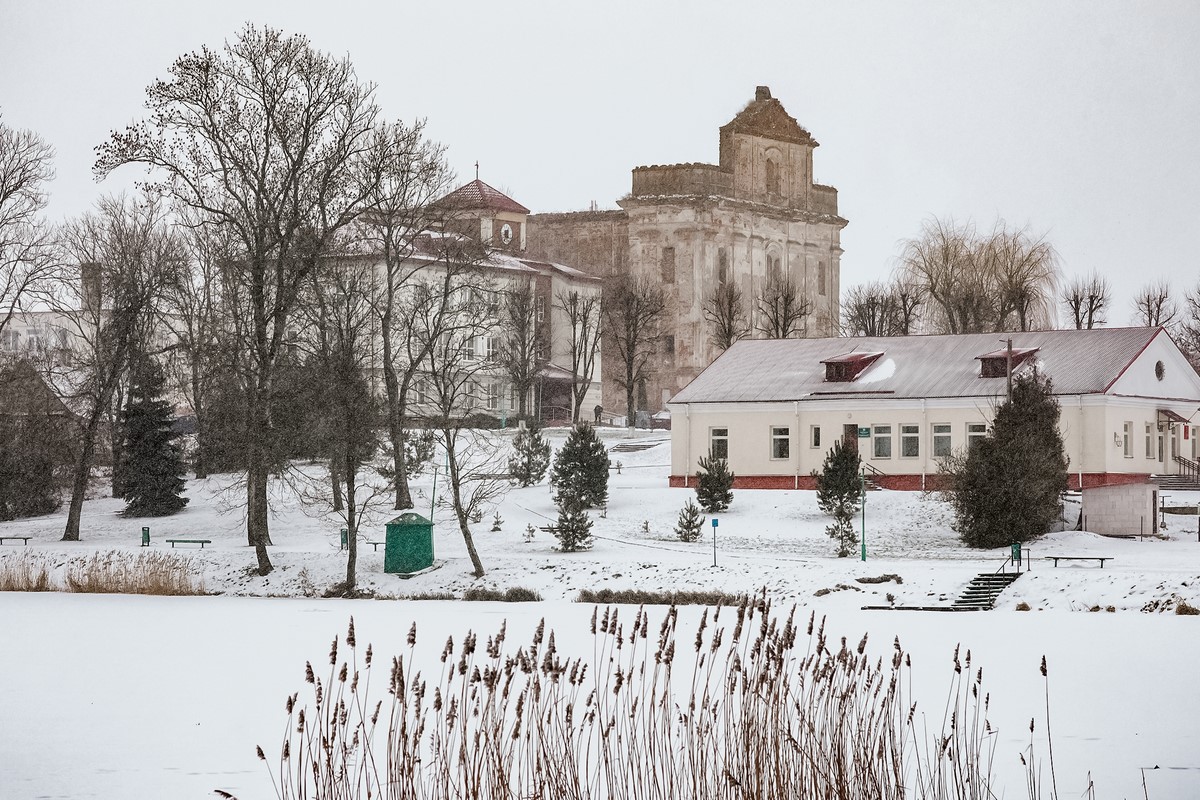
(1078, 120)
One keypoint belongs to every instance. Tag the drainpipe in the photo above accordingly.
(925, 450)
(1079, 399)
(687, 446)
(796, 477)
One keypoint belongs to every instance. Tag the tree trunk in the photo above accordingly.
(83, 471)
(335, 478)
(459, 511)
(201, 465)
(118, 444)
(351, 530)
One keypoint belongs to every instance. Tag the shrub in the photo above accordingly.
(839, 492)
(530, 458)
(643, 597)
(581, 469)
(1184, 607)
(513, 594)
(714, 484)
(690, 524)
(1008, 485)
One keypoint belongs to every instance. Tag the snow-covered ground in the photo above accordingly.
(106, 696)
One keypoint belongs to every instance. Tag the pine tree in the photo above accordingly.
(1010, 482)
(530, 458)
(152, 462)
(581, 469)
(839, 491)
(690, 524)
(714, 484)
(574, 528)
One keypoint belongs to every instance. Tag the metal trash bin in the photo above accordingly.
(408, 544)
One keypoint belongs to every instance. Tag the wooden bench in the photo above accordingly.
(549, 529)
(200, 542)
(376, 545)
(24, 539)
(1056, 559)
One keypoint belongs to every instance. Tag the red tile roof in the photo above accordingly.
(477, 194)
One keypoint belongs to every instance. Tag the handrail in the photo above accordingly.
(871, 469)
(1017, 564)
(1191, 468)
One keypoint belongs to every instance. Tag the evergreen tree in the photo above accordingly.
(152, 461)
(714, 484)
(35, 445)
(530, 458)
(839, 491)
(580, 471)
(690, 524)
(574, 528)
(1007, 489)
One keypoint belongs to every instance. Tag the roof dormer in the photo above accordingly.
(847, 367)
(995, 363)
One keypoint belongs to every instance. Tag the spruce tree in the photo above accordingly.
(1008, 488)
(714, 484)
(152, 466)
(581, 469)
(839, 491)
(574, 527)
(530, 458)
(690, 524)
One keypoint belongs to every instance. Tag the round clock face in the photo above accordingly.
(506, 233)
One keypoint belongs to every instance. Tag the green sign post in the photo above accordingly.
(714, 523)
(862, 490)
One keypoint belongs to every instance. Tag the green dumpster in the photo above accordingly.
(409, 544)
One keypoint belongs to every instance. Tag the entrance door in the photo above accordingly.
(850, 438)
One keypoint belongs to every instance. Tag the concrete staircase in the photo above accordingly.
(1179, 483)
(982, 591)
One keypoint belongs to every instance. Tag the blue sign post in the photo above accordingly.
(714, 522)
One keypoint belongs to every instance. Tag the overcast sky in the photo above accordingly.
(1080, 120)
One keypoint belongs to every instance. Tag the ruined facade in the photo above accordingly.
(690, 227)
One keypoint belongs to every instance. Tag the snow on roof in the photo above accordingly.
(774, 370)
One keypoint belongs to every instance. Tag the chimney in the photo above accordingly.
(90, 285)
(762, 93)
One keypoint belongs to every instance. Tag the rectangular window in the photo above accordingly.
(1150, 441)
(514, 398)
(1127, 440)
(718, 442)
(941, 440)
(815, 435)
(781, 443)
(722, 265)
(540, 305)
(491, 347)
(882, 441)
(667, 264)
(492, 398)
(668, 344)
(910, 441)
(821, 277)
(975, 432)
(469, 351)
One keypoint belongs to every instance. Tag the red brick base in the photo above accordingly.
(903, 483)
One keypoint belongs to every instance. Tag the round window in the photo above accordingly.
(1159, 370)
(506, 233)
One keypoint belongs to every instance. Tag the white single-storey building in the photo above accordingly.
(1129, 401)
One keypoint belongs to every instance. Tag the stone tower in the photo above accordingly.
(691, 227)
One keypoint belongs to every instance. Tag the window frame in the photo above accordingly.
(910, 432)
(666, 264)
(935, 435)
(878, 438)
(723, 438)
(1150, 448)
(1127, 439)
(814, 437)
(784, 439)
(975, 431)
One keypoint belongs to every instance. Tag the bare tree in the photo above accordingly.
(521, 345)
(27, 263)
(782, 308)
(1155, 305)
(633, 309)
(972, 284)
(880, 309)
(269, 138)
(1188, 329)
(582, 313)
(414, 175)
(1086, 299)
(451, 322)
(126, 254)
(726, 312)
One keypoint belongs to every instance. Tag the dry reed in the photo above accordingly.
(25, 573)
(760, 707)
(117, 572)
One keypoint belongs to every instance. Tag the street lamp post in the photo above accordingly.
(862, 491)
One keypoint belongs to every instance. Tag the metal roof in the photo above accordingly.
(774, 370)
